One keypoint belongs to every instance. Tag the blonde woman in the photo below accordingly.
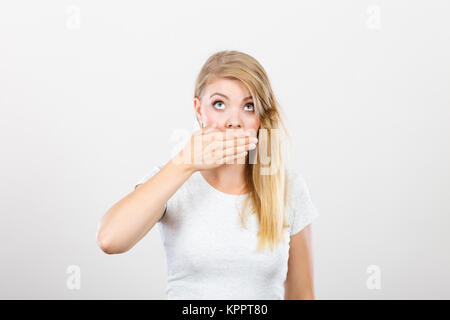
(234, 220)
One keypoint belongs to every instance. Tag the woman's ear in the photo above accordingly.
(198, 112)
(197, 104)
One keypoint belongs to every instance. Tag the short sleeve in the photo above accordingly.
(144, 179)
(303, 211)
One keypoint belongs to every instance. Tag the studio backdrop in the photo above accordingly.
(94, 94)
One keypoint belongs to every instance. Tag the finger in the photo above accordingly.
(221, 142)
(219, 153)
(214, 147)
(235, 133)
(222, 146)
(241, 141)
(231, 158)
(214, 134)
(239, 149)
(210, 133)
(230, 134)
(238, 138)
(218, 146)
(209, 128)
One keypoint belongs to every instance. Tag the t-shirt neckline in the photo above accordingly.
(209, 186)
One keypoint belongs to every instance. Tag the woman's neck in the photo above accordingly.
(229, 178)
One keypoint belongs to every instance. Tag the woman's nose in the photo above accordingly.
(234, 122)
(233, 126)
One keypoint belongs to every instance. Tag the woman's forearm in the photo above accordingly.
(300, 296)
(128, 220)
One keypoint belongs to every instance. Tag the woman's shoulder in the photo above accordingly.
(300, 208)
(295, 180)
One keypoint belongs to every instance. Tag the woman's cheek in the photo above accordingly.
(253, 123)
(208, 118)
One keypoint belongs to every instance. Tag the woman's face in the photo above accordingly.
(228, 103)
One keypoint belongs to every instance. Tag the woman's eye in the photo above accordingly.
(216, 102)
(251, 105)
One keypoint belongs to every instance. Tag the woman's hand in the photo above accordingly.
(210, 148)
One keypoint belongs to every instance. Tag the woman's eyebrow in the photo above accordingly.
(221, 94)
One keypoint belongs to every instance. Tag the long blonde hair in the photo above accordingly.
(268, 193)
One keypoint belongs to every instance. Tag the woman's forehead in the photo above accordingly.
(230, 88)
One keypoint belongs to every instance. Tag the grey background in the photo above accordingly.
(94, 93)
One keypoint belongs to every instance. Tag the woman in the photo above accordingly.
(233, 226)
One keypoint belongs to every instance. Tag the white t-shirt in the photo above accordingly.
(209, 255)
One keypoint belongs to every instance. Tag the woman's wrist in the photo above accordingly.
(181, 165)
